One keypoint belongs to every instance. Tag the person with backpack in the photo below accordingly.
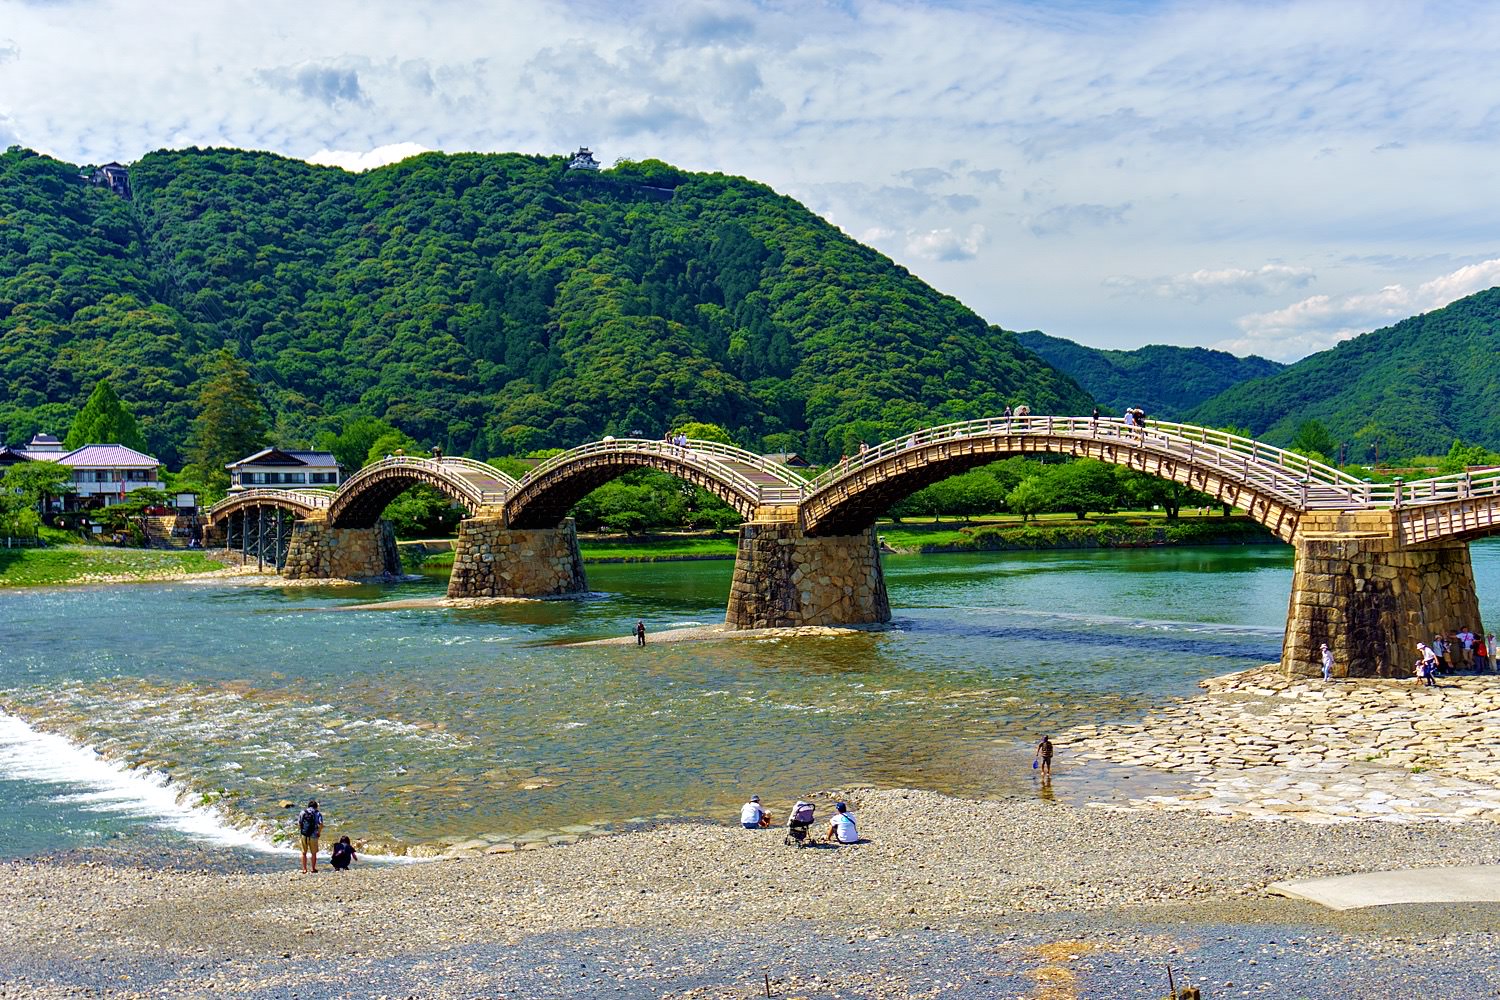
(309, 829)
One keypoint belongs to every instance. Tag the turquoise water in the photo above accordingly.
(421, 725)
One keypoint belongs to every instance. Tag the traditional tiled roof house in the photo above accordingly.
(283, 469)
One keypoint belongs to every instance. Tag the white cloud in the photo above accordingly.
(355, 161)
(946, 244)
(1320, 321)
(1195, 286)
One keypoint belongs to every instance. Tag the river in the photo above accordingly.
(420, 725)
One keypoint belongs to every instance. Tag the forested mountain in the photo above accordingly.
(1166, 382)
(1412, 388)
(487, 303)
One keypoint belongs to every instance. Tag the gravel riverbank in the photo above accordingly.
(942, 894)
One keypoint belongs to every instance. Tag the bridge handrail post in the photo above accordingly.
(1397, 502)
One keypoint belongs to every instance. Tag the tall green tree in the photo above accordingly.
(104, 420)
(1314, 441)
(231, 421)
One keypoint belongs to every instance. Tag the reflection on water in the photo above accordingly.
(420, 724)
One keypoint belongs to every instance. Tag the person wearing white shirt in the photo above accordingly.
(752, 816)
(841, 827)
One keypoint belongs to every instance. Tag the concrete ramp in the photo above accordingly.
(1471, 884)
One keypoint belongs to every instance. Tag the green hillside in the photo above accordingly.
(1412, 387)
(491, 304)
(1166, 382)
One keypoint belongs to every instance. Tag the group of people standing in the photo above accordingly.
(1464, 650)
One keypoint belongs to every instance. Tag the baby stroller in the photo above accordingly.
(799, 824)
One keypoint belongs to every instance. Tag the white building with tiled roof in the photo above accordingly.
(106, 472)
(285, 469)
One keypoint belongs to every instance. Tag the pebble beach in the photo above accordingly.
(1017, 897)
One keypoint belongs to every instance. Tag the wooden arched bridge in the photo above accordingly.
(1379, 566)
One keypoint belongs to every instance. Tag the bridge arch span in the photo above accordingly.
(300, 503)
(742, 479)
(364, 496)
(1272, 485)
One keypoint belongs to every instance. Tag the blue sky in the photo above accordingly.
(1261, 177)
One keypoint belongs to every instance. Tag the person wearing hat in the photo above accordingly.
(841, 828)
(752, 816)
(1327, 656)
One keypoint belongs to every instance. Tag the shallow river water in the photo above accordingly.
(420, 725)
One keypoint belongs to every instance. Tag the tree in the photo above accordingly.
(1461, 456)
(1029, 497)
(388, 444)
(352, 444)
(231, 421)
(1081, 486)
(36, 482)
(1146, 491)
(104, 420)
(698, 431)
(1314, 441)
(24, 490)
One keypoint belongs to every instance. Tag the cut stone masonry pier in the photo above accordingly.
(1371, 598)
(320, 552)
(784, 578)
(492, 560)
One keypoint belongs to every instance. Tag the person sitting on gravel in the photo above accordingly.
(342, 854)
(841, 829)
(753, 816)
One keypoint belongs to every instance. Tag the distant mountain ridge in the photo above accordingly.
(488, 303)
(1411, 388)
(1166, 382)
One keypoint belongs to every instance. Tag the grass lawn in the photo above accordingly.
(80, 563)
(911, 533)
(631, 549)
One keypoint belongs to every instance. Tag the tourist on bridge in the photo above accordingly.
(1481, 656)
(1327, 657)
(753, 816)
(1094, 420)
(640, 633)
(437, 453)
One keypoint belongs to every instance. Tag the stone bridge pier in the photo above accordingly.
(493, 560)
(320, 552)
(785, 578)
(1370, 597)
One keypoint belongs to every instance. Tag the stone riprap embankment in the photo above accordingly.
(1259, 745)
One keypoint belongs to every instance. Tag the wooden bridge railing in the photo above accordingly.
(719, 460)
(1293, 479)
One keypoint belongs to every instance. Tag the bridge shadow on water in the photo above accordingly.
(1186, 638)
